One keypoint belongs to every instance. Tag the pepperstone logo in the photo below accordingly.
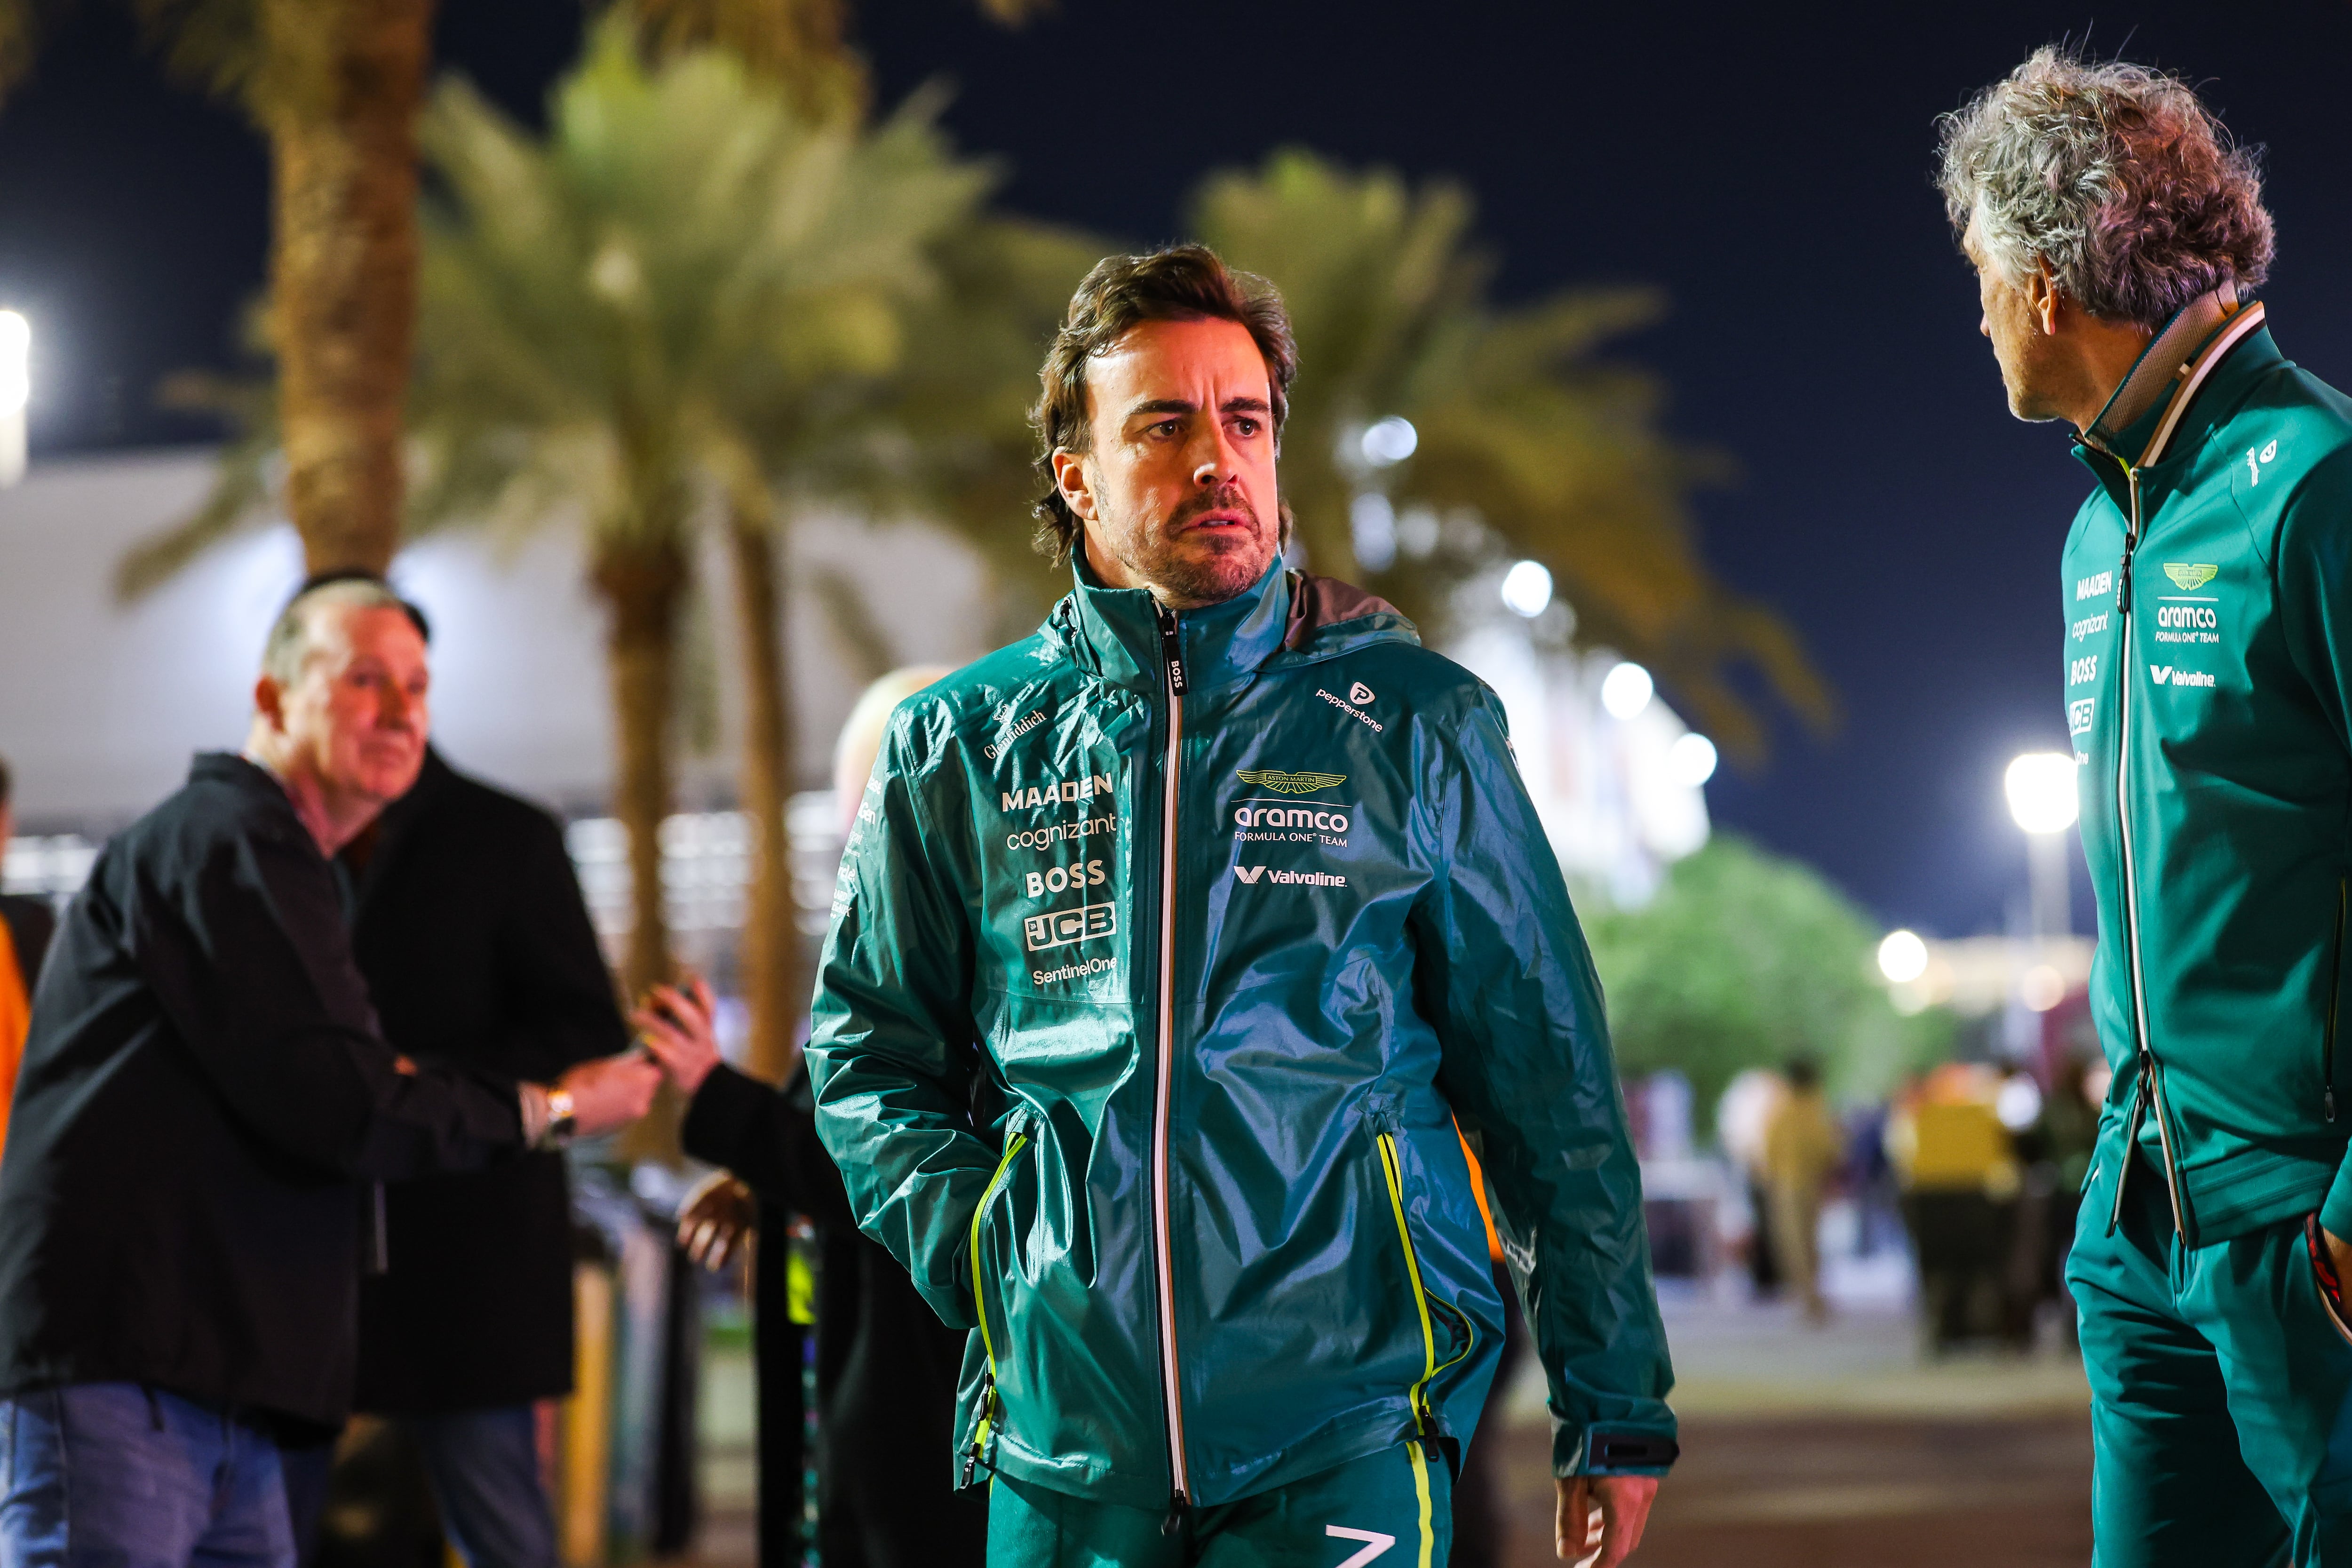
(1360, 694)
(1281, 782)
(2189, 577)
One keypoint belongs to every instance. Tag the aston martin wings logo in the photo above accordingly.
(2188, 577)
(1282, 783)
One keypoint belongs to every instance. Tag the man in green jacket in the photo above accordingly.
(2207, 591)
(1169, 947)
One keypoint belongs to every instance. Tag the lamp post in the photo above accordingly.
(2042, 801)
(16, 393)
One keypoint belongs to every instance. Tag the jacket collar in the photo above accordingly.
(1118, 630)
(2145, 418)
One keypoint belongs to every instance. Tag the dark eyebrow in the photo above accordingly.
(1178, 405)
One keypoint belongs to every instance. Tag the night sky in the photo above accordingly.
(1768, 165)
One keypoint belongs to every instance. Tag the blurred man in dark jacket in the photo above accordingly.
(886, 1367)
(203, 1081)
(26, 926)
(477, 948)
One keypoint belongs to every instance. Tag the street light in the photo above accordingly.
(1527, 589)
(2040, 789)
(16, 393)
(2042, 801)
(1902, 957)
(1626, 690)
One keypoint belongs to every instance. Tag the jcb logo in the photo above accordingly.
(1063, 927)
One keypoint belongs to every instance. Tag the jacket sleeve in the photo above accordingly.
(2314, 571)
(1503, 970)
(251, 961)
(891, 1050)
(766, 1138)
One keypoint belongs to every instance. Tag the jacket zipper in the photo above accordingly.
(1172, 656)
(1425, 1424)
(2151, 1086)
(988, 1425)
(2335, 996)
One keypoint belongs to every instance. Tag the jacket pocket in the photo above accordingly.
(1446, 1335)
(2324, 1280)
(987, 1419)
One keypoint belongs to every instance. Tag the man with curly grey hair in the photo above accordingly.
(2206, 592)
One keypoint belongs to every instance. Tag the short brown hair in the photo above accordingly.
(1179, 283)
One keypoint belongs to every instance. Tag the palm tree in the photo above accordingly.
(686, 285)
(1526, 446)
(335, 89)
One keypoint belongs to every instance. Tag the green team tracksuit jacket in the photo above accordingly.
(2207, 586)
(2209, 648)
(1232, 914)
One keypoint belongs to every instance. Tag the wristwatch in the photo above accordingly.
(562, 1120)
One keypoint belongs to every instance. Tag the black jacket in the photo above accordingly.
(478, 950)
(31, 924)
(202, 1083)
(886, 1366)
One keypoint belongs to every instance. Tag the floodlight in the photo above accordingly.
(1902, 957)
(2040, 789)
(1389, 441)
(1527, 589)
(1690, 759)
(1626, 691)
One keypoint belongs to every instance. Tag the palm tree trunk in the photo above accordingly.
(643, 586)
(342, 265)
(773, 986)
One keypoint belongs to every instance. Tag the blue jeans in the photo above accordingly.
(112, 1475)
(484, 1468)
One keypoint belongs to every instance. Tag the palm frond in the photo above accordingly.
(242, 496)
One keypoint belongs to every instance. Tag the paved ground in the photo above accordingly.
(1838, 1447)
(1831, 1447)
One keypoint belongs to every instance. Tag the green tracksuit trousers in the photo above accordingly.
(2219, 1391)
(1390, 1509)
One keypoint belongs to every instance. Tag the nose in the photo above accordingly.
(1213, 459)
(400, 706)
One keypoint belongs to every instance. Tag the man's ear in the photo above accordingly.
(1070, 481)
(269, 701)
(2042, 297)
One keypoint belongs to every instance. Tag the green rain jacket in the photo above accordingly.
(1233, 915)
(2207, 586)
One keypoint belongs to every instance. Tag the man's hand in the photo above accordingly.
(609, 1094)
(678, 1027)
(718, 1217)
(1601, 1517)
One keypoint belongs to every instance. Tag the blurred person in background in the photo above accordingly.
(27, 924)
(1959, 1175)
(204, 1083)
(1212, 1230)
(1741, 1117)
(886, 1366)
(1803, 1146)
(2116, 230)
(469, 928)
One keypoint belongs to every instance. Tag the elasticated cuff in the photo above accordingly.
(1616, 1448)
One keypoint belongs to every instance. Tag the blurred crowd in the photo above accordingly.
(1977, 1167)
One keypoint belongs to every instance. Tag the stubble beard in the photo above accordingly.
(1192, 570)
